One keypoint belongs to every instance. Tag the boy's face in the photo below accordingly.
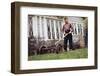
(66, 22)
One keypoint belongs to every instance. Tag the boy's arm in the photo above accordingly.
(71, 28)
(62, 29)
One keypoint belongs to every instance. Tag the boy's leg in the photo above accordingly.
(70, 42)
(65, 43)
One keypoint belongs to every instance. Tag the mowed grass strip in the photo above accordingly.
(74, 54)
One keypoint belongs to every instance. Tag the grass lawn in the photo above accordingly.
(75, 54)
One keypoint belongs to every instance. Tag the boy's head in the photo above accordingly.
(66, 21)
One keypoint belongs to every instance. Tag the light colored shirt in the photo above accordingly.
(67, 27)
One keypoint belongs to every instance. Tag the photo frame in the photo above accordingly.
(21, 15)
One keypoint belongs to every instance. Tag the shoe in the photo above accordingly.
(72, 49)
(66, 51)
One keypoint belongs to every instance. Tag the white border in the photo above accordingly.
(25, 64)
